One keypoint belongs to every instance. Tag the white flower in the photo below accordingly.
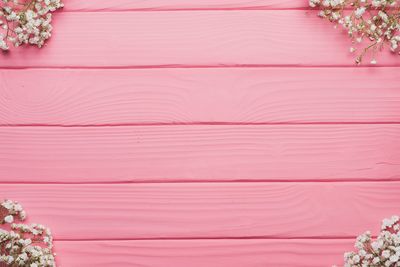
(22, 215)
(362, 253)
(376, 260)
(10, 259)
(383, 15)
(314, 3)
(16, 246)
(7, 204)
(394, 258)
(359, 12)
(30, 22)
(374, 21)
(9, 219)
(386, 253)
(356, 259)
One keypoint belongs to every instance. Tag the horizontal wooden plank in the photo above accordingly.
(140, 96)
(199, 153)
(201, 253)
(208, 210)
(201, 38)
(118, 5)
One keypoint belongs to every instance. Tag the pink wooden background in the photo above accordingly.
(210, 133)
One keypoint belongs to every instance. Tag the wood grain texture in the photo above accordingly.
(208, 210)
(146, 96)
(203, 253)
(201, 38)
(119, 5)
(199, 153)
(165, 195)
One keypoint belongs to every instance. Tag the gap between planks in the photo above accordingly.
(222, 9)
(187, 66)
(208, 238)
(203, 123)
(205, 181)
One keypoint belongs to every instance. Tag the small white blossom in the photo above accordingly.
(9, 219)
(23, 245)
(374, 23)
(384, 251)
(26, 22)
(394, 258)
(359, 12)
(386, 254)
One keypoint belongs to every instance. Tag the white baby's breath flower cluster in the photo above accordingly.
(375, 22)
(382, 252)
(26, 21)
(21, 244)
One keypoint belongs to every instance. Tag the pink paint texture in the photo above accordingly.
(199, 133)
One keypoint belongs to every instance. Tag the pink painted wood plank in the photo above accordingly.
(208, 210)
(199, 153)
(200, 253)
(117, 5)
(198, 38)
(140, 96)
